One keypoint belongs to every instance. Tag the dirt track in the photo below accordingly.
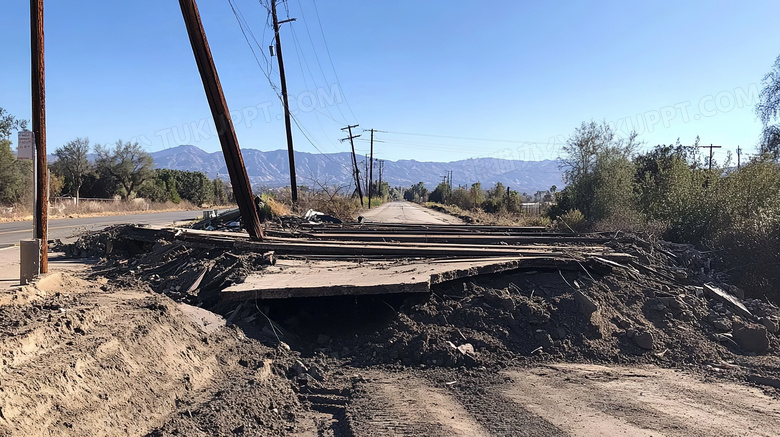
(107, 356)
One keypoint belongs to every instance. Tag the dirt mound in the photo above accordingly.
(655, 310)
(120, 363)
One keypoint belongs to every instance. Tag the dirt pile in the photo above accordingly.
(97, 363)
(655, 310)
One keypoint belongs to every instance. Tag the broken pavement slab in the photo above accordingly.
(296, 278)
(733, 303)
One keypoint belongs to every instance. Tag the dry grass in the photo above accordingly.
(341, 207)
(478, 216)
(91, 208)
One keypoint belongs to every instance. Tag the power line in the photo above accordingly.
(470, 138)
(302, 56)
(317, 58)
(244, 29)
(330, 58)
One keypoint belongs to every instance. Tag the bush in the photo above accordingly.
(573, 221)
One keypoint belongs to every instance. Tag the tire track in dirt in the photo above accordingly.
(405, 405)
(591, 400)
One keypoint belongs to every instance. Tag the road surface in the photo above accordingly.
(406, 212)
(11, 233)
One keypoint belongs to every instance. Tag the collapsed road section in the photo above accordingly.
(377, 329)
(357, 259)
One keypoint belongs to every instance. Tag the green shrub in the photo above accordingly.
(573, 220)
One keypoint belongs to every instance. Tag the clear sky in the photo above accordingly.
(507, 78)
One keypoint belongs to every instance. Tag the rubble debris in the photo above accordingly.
(733, 302)
(585, 304)
(575, 309)
(644, 339)
(771, 324)
(722, 324)
(320, 217)
(751, 337)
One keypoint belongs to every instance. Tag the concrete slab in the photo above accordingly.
(299, 278)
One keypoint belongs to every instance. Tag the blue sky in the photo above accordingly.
(445, 80)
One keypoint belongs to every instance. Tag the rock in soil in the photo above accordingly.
(751, 337)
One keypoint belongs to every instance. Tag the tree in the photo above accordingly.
(13, 172)
(128, 164)
(56, 182)
(9, 123)
(220, 192)
(583, 148)
(194, 186)
(72, 163)
(768, 109)
(416, 193)
(476, 194)
(441, 194)
(589, 154)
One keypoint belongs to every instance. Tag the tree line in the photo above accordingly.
(123, 170)
(498, 199)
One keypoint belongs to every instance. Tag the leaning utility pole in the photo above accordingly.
(354, 159)
(38, 79)
(371, 171)
(285, 100)
(221, 114)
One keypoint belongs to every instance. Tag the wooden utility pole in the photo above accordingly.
(354, 159)
(365, 175)
(371, 171)
(285, 100)
(381, 164)
(219, 111)
(711, 147)
(739, 155)
(38, 79)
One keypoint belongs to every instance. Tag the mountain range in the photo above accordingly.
(270, 169)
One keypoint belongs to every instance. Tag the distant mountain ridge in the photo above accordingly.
(271, 169)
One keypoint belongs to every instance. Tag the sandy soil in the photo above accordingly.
(126, 362)
(591, 400)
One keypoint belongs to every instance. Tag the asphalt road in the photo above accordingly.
(11, 233)
(406, 212)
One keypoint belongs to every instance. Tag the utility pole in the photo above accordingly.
(380, 176)
(38, 79)
(354, 159)
(285, 100)
(221, 114)
(365, 175)
(711, 147)
(371, 171)
(739, 155)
